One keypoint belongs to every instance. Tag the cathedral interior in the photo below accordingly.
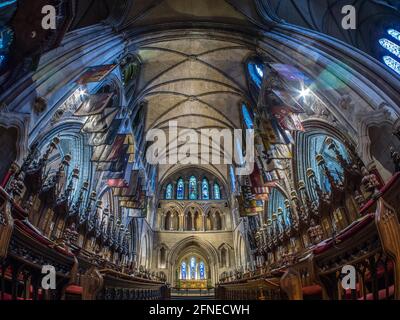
(220, 149)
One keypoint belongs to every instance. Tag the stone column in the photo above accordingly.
(174, 190)
(186, 189)
(181, 222)
(214, 217)
(204, 221)
(199, 193)
(171, 222)
(192, 217)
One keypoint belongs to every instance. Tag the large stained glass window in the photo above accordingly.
(392, 50)
(205, 194)
(193, 188)
(256, 71)
(180, 189)
(318, 145)
(193, 268)
(248, 120)
(169, 192)
(202, 271)
(277, 203)
(183, 270)
(217, 192)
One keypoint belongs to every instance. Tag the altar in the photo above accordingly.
(193, 284)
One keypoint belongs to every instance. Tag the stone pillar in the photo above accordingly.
(214, 221)
(181, 222)
(192, 217)
(171, 222)
(162, 221)
(186, 190)
(174, 190)
(204, 221)
(199, 193)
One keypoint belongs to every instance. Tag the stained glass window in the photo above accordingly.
(193, 268)
(205, 195)
(202, 271)
(217, 192)
(183, 270)
(392, 63)
(390, 46)
(394, 33)
(180, 190)
(193, 188)
(233, 178)
(169, 192)
(393, 49)
(318, 145)
(277, 200)
(256, 72)
(248, 120)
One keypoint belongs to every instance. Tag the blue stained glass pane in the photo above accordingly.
(169, 192)
(233, 178)
(202, 271)
(392, 63)
(183, 270)
(217, 192)
(256, 73)
(193, 268)
(394, 33)
(204, 189)
(180, 190)
(390, 46)
(259, 70)
(193, 188)
(247, 117)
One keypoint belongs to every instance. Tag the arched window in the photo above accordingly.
(256, 71)
(217, 192)
(392, 50)
(205, 194)
(183, 270)
(193, 188)
(318, 145)
(202, 271)
(276, 204)
(169, 192)
(193, 268)
(180, 189)
(247, 118)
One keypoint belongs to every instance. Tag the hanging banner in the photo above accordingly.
(100, 123)
(287, 120)
(96, 74)
(95, 105)
(106, 137)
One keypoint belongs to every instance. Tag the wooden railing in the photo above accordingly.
(371, 245)
(24, 250)
(261, 288)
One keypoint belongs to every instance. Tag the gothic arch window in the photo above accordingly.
(276, 205)
(193, 188)
(217, 192)
(247, 118)
(202, 270)
(183, 270)
(169, 192)
(319, 145)
(193, 268)
(256, 72)
(392, 50)
(180, 189)
(205, 192)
